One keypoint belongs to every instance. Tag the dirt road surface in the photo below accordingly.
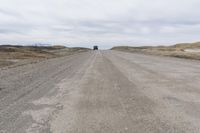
(102, 92)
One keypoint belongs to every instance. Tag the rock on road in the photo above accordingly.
(102, 92)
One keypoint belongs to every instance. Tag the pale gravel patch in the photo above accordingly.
(39, 117)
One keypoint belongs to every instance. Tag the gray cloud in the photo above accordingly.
(103, 22)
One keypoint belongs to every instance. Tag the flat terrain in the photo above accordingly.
(102, 92)
(183, 50)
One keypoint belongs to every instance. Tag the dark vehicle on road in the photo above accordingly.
(95, 48)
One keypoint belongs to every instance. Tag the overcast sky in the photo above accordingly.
(102, 22)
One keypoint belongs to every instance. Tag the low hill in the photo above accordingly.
(187, 45)
(182, 50)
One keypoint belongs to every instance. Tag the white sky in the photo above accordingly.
(102, 22)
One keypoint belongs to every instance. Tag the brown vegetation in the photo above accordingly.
(177, 50)
(10, 55)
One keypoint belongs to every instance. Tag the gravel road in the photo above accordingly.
(102, 92)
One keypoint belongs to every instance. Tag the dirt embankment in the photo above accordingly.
(18, 55)
(183, 50)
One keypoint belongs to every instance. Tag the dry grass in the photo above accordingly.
(177, 50)
(10, 55)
